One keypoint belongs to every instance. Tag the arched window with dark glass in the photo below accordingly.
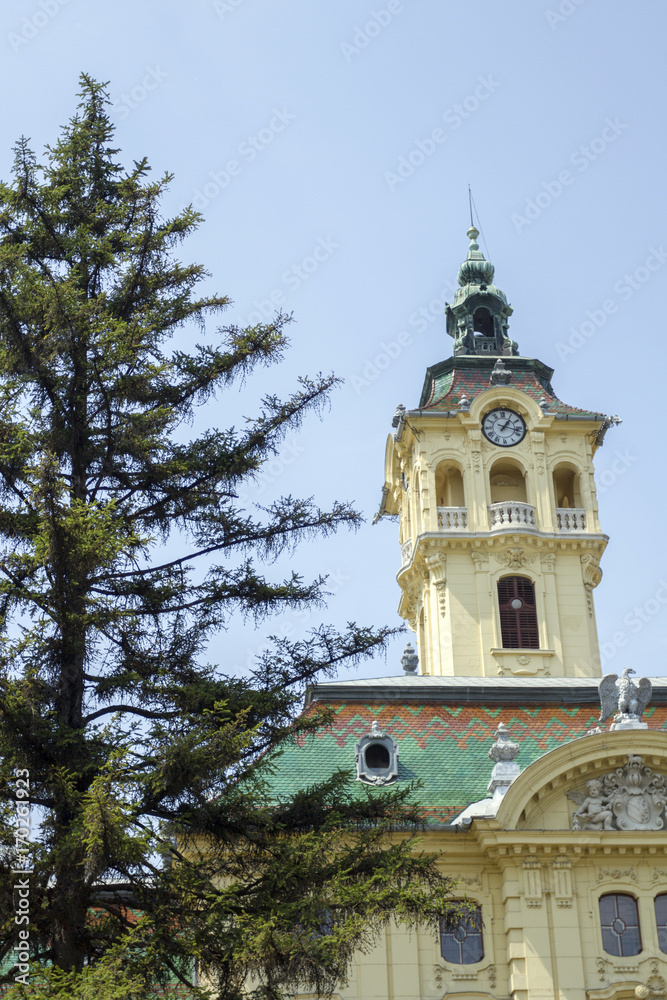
(461, 936)
(661, 920)
(518, 613)
(619, 918)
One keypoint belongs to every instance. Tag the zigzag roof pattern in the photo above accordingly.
(448, 387)
(441, 745)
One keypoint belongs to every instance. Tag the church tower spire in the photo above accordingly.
(491, 478)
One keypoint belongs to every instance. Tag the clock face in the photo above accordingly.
(503, 427)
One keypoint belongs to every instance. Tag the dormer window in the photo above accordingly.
(377, 757)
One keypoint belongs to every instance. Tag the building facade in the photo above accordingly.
(552, 823)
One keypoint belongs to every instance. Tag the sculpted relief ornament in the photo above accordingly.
(515, 558)
(630, 798)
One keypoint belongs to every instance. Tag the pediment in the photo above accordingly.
(628, 771)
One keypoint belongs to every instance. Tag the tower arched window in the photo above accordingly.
(567, 487)
(449, 485)
(461, 939)
(518, 613)
(507, 483)
(619, 919)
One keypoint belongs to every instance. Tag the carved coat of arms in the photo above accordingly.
(630, 798)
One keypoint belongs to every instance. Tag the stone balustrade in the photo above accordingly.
(453, 518)
(406, 552)
(570, 519)
(511, 514)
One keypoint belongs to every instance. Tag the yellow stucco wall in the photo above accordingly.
(538, 883)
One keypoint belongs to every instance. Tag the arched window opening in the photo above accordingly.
(661, 920)
(407, 515)
(416, 514)
(449, 486)
(619, 918)
(461, 937)
(377, 757)
(482, 322)
(567, 488)
(507, 483)
(518, 613)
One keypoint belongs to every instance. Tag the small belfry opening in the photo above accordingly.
(507, 482)
(567, 489)
(449, 485)
(482, 322)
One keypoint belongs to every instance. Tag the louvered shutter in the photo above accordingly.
(518, 615)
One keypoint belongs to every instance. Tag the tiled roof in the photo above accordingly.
(448, 387)
(444, 746)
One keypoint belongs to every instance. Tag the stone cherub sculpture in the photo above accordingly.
(594, 812)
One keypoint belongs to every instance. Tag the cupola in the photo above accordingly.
(478, 319)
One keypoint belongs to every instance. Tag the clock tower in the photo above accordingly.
(491, 478)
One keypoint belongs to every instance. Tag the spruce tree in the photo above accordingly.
(148, 767)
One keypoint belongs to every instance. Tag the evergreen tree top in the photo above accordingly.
(134, 746)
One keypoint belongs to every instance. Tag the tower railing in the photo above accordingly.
(453, 518)
(571, 519)
(406, 551)
(511, 514)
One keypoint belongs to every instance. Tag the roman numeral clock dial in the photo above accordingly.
(503, 427)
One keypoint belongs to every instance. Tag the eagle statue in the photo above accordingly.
(621, 696)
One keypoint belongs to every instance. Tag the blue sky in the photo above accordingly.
(330, 147)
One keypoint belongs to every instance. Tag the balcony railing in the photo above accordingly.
(406, 552)
(570, 519)
(511, 514)
(453, 518)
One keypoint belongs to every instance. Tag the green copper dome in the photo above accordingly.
(475, 270)
(478, 318)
